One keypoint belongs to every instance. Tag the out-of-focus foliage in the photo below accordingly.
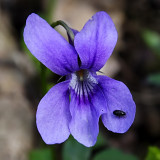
(42, 154)
(154, 79)
(101, 142)
(75, 151)
(152, 39)
(153, 153)
(114, 154)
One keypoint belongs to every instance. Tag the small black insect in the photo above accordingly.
(119, 113)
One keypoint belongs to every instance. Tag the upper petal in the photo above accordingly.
(86, 105)
(53, 114)
(96, 41)
(49, 47)
(119, 98)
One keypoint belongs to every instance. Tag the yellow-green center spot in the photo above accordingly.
(80, 74)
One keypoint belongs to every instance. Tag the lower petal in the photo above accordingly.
(84, 124)
(86, 105)
(119, 99)
(53, 114)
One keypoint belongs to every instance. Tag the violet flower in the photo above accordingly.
(75, 105)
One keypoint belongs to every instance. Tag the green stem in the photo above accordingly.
(69, 31)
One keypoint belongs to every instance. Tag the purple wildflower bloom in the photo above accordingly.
(75, 105)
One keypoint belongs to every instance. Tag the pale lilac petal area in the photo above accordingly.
(53, 114)
(85, 111)
(119, 98)
(96, 41)
(84, 124)
(49, 47)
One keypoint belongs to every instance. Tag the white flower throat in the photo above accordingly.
(83, 82)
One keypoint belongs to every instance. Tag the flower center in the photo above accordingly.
(83, 82)
(81, 74)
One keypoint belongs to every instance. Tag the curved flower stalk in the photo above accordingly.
(75, 105)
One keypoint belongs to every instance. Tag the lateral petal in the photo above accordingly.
(53, 114)
(96, 41)
(49, 47)
(118, 99)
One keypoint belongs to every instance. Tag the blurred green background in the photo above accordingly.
(24, 81)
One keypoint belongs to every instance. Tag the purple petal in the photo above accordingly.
(86, 106)
(53, 114)
(74, 31)
(49, 47)
(118, 98)
(96, 41)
